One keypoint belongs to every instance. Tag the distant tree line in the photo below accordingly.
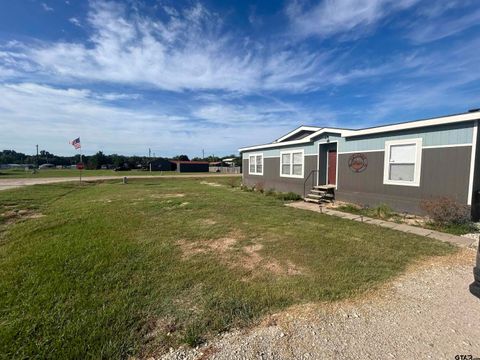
(91, 161)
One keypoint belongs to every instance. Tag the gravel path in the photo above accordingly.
(427, 313)
(6, 184)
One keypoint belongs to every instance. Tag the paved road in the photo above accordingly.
(6, 184)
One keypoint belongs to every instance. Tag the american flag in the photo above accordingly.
(76, 143)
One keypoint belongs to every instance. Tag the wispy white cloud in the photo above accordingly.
(186, 53)
(116, 96)
(333, 17)
(433, 29)
(436, 8)
(46, 7)
(431, 85)
(51, 115)
(15, 63)
(265, 113)
(75, 21)
(190, 50)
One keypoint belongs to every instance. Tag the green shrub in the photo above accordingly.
(352, 209)
(259, 186)
(246, 188)
(382, 211)
(270, 192)
(289, 196)
(284, 196)
(193, 334)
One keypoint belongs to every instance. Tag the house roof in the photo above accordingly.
(448, 119)
(304, 140)
(297, 130)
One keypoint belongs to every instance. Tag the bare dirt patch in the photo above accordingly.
(211, 183)
(13, 216)
(219, 246)
(154, 332)
(255, 260)
(229, 251)
(154, 327)
(166, 196)
(207, 221)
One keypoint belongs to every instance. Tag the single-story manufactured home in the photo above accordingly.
(398, 164)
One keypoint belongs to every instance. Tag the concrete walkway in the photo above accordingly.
(6, 184)
(453, 239)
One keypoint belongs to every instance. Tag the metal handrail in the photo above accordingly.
(305, 182)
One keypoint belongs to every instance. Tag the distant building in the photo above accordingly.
(229, 161)
(160, 165)
(47, 166)
(225, 166)
(189, 166)
(16, 166)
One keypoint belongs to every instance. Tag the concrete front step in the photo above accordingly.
(315, 196)
(324, 187)
(317, 200)
(321, 196)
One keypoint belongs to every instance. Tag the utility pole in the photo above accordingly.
(203, 154)
(149, 152)
(37, 155)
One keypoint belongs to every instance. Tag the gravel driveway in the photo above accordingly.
(427, 313)
(6, 184)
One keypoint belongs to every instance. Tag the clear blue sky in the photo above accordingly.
(180, 77)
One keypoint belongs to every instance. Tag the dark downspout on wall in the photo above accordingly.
(476, 181)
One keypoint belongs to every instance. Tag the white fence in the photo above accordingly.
(225, 169)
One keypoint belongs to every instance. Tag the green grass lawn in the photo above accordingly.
(106, 270)
(43, 173)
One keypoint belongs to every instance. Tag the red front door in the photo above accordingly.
(332, 167)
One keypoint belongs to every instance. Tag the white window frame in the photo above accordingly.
(418, 162)
(291, 152)
(255, 157)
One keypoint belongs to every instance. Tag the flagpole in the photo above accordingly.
(81, 163)
(79, 166)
